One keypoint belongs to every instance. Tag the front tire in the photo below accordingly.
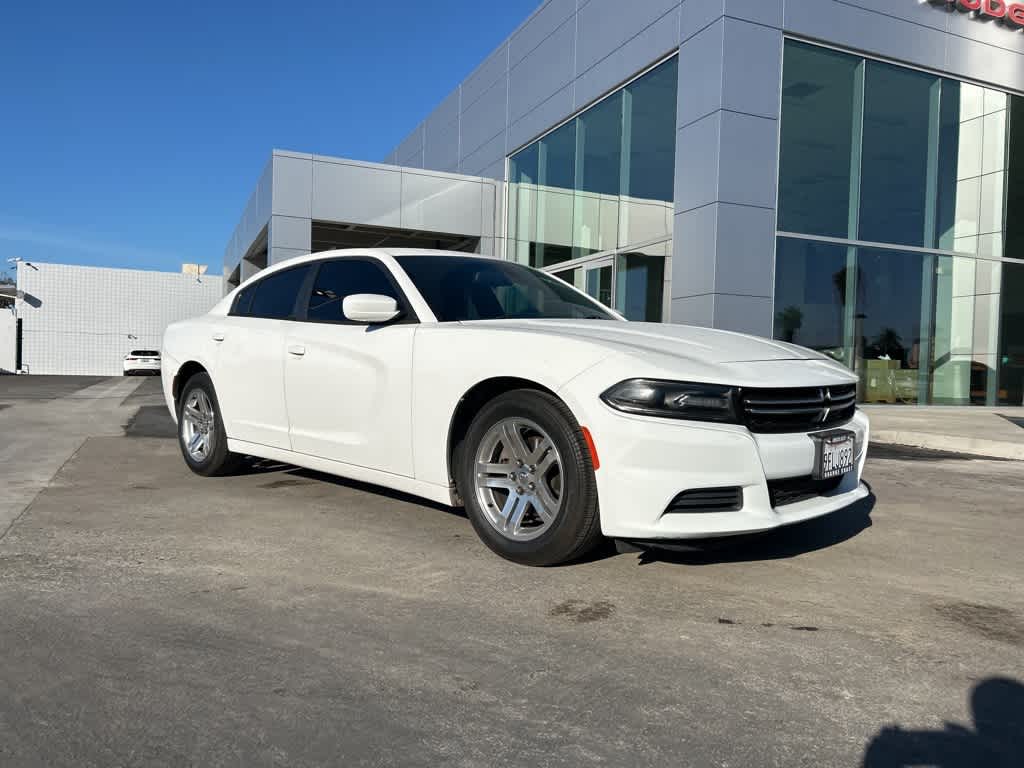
(527, 479)
(201, 435)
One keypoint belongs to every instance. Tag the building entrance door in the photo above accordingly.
(599, 280)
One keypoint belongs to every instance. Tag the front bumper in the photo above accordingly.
(646, 462)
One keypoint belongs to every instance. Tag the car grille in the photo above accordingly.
(793, 489)
(707, 500)
(799, 409)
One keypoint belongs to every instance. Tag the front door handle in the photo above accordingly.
(296, 349)
(218, 336)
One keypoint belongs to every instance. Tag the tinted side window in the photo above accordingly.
(243, 301)
(276, 295)
(345, 277)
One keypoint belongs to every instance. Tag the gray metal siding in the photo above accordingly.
(570, 52)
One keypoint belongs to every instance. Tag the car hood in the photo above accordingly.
(693, 343)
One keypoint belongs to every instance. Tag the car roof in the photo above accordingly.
(378, 252)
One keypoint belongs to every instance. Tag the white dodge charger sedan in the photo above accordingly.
(479, 382)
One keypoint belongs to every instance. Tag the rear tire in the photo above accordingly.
(201, 435)
(527, 479)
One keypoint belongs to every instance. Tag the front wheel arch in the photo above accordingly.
(469, 405)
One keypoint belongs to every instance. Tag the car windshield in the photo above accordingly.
(466, 288)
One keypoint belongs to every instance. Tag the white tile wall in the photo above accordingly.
(79, 320)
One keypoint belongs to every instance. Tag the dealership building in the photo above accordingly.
(844, 174)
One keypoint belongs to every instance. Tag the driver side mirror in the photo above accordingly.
(370, 308)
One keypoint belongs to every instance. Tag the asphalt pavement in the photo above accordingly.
(281, 617)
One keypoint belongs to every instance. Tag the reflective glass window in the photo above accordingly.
(811, 295)
(820, 120)
(1011, 344)
(277, 294)
(600, 155)
(602, 181)
(338, 279)
(640, 282)
(651, 119)
(900, 134)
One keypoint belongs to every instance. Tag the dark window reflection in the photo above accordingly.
(1011, 343)
(557, 158)
(600, 134)
(898, 105)
(888, 323)
(640, 285)
(652, 145)
(810, 295)
(1015, 184)
(818, 123)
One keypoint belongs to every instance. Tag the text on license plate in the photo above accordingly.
(834, 456)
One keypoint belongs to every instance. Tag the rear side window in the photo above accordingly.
(275, 296)
(145, 353)
(346, 277)
(243, 301)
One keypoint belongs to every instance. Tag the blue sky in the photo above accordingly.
(131, 134)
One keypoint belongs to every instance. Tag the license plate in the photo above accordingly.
(833, 454)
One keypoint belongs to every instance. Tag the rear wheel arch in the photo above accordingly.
(186, 372)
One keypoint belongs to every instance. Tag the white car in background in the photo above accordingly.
(142, 361)
(479, 382)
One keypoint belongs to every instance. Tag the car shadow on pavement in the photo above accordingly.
(790, 541)
(995, 741)
(377, 490)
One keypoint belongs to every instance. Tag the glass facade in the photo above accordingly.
(900, 249)
(598, 192)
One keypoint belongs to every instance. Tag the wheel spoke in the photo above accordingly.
(514, 441)
(193, 444)
(500, 483)
(543, 447)
(193, 414)
(544, 464)
(484, 468)
(545, 504)
(516, 506)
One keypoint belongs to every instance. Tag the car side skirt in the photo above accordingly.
(437, 493)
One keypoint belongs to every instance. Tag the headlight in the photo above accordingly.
(674, 400)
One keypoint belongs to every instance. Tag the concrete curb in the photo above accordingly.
(992, 448)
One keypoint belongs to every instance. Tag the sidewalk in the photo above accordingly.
(979, 431)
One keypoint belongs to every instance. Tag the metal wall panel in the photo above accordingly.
(84, 320)
(356, 193)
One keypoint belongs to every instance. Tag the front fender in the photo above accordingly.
(450, 360)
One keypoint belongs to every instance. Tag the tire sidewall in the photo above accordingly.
(217, 457)
(579, 496)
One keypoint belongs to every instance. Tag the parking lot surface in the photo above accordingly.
(280, 617)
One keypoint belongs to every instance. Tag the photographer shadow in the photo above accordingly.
(997, 708)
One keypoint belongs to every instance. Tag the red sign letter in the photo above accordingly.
(969, 5)
(994, 8)
(1016, 14)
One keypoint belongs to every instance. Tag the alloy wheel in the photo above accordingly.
(518, 479)
(197, 425)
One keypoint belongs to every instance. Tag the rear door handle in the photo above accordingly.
(296, 349)
(218, 336)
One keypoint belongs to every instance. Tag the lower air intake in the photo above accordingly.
(707, 500)
(794, 489)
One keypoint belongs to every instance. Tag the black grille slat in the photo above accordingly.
(707, 500)
(797, 409)
(793, 489)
